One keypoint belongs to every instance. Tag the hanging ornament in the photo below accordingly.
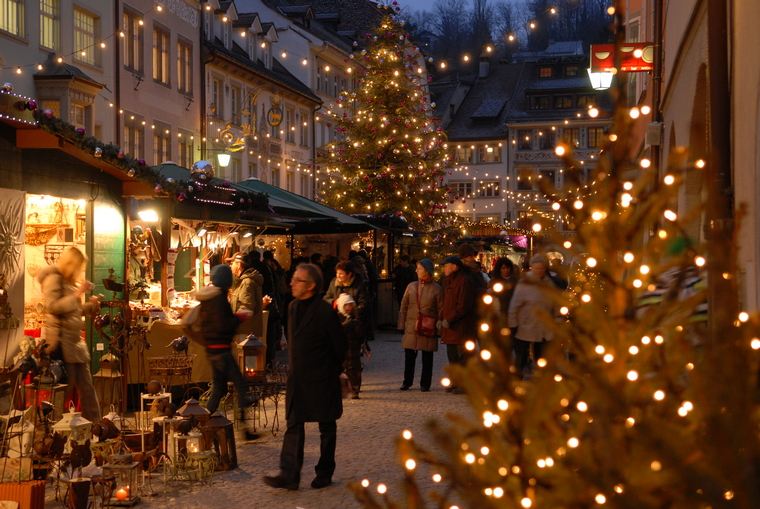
(189, 189)
(158, 188)
(31, 105)
(141, 162)
(7, 87)
(181, 197)
(131, 172)
(98, 152)
(202, 170)
(170, 180)
(80, 131)
(120, 155)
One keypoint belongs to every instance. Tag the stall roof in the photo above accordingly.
(193, 210)
(314, 217)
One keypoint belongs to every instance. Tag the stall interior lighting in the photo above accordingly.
(247, 235)
(202, 231)
(148, 215)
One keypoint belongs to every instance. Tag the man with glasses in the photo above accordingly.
(316, 349)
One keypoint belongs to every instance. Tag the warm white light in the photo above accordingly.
(600, 499)
(586, 298)
(469, 345)
(573, 442)
(670, 215)
(485, 355)
(628, 257)
(699, 163)
(644, 269)
(446, 382)
(555, 206)
(560, 150)
(407, 434)
(536, 227)
(700, 261)
(503, 404)
(564, 310)
(410, 464)
(437, 478)
(755, 343)
(659, 395)
(593, 112)
(591, 262)
(526, 502)
(148, 215)
(634, 113)
(581, 406)
(382, 488)
(365, 483)
(743, 316)
(224, 159)
(600, 80)
(645, 163)
(645, 110)
(632, 375)
(669, 180)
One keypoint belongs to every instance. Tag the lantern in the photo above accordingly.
(108, 382)
(600, 80)
(74, 427)
(195, 441)
(219, 434)
(126, 472)
(115, 418)
(193, 411)
(252, 358)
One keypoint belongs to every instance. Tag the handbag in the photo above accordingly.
(425, 325)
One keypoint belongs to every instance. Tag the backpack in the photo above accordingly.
(191, 325)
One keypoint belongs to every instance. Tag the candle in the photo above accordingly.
(122, 493)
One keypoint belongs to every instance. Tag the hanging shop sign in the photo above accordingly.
(274, 116)
(634, 57)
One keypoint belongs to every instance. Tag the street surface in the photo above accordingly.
(366, 444)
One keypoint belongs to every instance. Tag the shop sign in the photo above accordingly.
(274, 116)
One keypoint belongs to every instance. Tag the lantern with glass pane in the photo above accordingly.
(252, 358)
(74, 427)
(127, 475)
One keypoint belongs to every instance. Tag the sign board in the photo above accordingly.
(633, 57)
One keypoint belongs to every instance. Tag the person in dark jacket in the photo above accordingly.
(355, 337)
(218, 325)
(316, 349)
(347, 280)
(504, 274)
(247, 293)
(403, 274)
(459, 310)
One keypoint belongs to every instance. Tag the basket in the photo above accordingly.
(171, 370)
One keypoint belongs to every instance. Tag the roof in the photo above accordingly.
(53, 70)
(576, 82)
(278, 73)
(483, 112)
(307, 216)
(245, 19)
(558, 49)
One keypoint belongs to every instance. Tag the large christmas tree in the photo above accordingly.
(388, 156)
(643, 399)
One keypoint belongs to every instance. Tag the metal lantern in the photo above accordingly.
(252, 358)
(127, 475)
(108, 382)
(75, 427)
(193, 411)
(219, 435)
(195, 442)
(115, 418)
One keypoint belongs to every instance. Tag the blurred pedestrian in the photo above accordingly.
(403, 274)
(352, 328)
(459, 311)
(504, 274)
(422, 298)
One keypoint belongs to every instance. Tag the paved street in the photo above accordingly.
(366, 435)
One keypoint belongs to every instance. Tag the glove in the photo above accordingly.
(444, 324)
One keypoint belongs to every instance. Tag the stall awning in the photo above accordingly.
(305, 215)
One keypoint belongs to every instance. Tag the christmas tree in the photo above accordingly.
(642, 400)
(388, 157)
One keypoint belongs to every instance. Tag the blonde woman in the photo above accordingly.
(63, 286)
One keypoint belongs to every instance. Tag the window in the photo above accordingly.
(226, 35)
(185, 67)
(489, 189)
(594, 137)
(550, 175)
(547, 140)
(162, 143)
(160, 55)
(291, 181)
(12, 17)
(525, 139)
(134, 139)
(524, 180)
(235, 98)
(186, 149)
(290, 128)
(463, 154)
(563, 101)
(571, 71)
(585, 100)
(237, 169)
(78, 116)
(304, 184)
(217, 88)
(489, 154)
(53, 105)
(275, 177)
(133, 41)
(304, 129)
(85, 34)
(572, 136)
(50, 24)
(541, 102)
(253, 170)
(545, 72)
(461, 189)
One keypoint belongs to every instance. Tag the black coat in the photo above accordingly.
(316, 349)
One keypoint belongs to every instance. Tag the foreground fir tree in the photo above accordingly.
(643, 400)
(388, 157)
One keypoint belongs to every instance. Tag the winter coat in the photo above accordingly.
(218, 323)
(459, 308)
(357, 289)
(430, 303)
(505, 295)
(63, 316)
(248, 294)
(316, 350)
(531, 308)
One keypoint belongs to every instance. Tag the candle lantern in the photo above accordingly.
(115, 418)
(127, 474)
(193, 411)
(108, 382)
(252, 358)
(75, 427)
(219, 434)
(195, 441)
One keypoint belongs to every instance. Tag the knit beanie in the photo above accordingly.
(221, 276)
(428, 264)
(342, 300)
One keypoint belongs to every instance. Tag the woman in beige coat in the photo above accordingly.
(422, 296)
(62, 290)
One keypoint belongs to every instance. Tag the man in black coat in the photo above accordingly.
(316, 349)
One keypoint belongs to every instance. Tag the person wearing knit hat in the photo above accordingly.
(218, 328)
(539, 258)
(419, 313)
(352, 364)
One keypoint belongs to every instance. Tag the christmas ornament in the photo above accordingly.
(202, 170)
(98, 152)
(131, 172)
(7, 87)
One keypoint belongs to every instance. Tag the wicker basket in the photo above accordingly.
(171, 370)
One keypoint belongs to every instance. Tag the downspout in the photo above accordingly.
(202, 61)
(116, 76)
(657, 82)
(314, 152)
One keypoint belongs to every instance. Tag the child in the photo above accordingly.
(354, 334)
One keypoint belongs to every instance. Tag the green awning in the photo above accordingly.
(306, 216)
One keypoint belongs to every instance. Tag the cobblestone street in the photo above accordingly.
(366, 444)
